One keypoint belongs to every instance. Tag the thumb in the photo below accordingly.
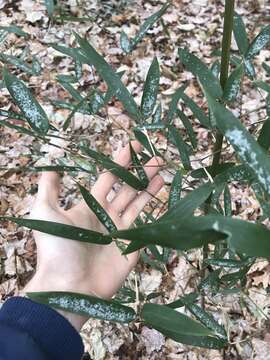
(48, 188)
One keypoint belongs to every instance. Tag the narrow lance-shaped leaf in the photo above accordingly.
(260, 41)
(196, 110)
(150, 90)
(185, 207)
(188, 126)
(242, 236)
(157, 115)
(138, 167)
(21, 95)
(200, 70)
(240, 34)
(215, 68)
(110, 77)
(244, 144)
(143, 139)
(174, 102)
(179, 236)
(175, 191)
(125, 43)
(227, 201)
(20, 129)
(78, 69)
(264, 137)
(62, 230)
(229, 263)
(181, 146)
(13, 60)
(249, 68)
(114, 168)
(15, 30)
(179, 327)
(206, 319)
(85, 305)
(128, 45)
(97, 209)
(262, 85)
(50, 7)
(72, 91)
(75, 53)
(266, 68)
(233, 84)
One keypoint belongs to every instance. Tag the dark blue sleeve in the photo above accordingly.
(32, 331)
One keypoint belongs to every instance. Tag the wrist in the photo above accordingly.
(40, 283)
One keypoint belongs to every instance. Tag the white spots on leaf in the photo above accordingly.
(246, 153)
(28, 106)
(101, 310)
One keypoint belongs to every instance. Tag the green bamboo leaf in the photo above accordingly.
(229, 263)
(62, 230)
(260, 41)
(142, 138)
(175, 191)
(57, 168)
(179, 327)
(33, 112)
(85, 305)
(266, 68)
(69, 88)
(150, 90)
(227, 201)
(157, 115)
(3, 36)
(138, 167)
(187, 124)
(125, 43)
(173, 104)
(215, 68)
(97, 209)
(262, 85)
(244, 144)
(36, 66)
(206, 319)
(114, 168)
(242, 236)
(233, 84)
(20, 129)
(186, 299)
(15, 30)
(264, 136)
(50, 7)
(233, 278)
(110, 77)
(128, 45)
(15, 61)
(75, 53)
(211, 283)
(200, 70)
(164, 317)
(185, 207)
(76, 108)
(181, 146)
(203, 171)
(196, 110)
(240, 34)
(249, 69)
(78, 69)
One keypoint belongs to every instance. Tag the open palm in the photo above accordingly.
(67, 265)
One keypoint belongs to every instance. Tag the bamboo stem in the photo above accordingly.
(225, 62)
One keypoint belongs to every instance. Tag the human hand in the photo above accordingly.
(67, 265)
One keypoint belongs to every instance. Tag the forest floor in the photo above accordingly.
(196, 24)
